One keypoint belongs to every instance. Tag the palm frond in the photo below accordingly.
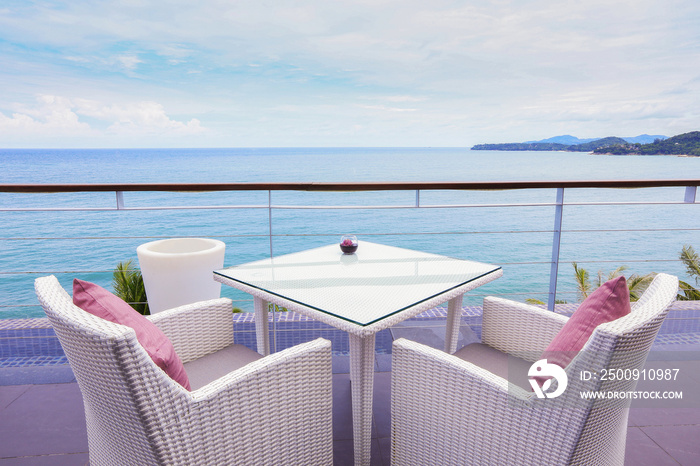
(637, 284)
(127, 283)
(691, 260)
(600, 280)
(582, 280)
(534, 301)
(617, 272)
(687, 292)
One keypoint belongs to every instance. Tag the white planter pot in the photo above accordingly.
(178, 271)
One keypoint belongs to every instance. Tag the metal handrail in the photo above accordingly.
(690, 197)
(342, 186)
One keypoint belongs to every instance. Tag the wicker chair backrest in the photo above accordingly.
(102, 355)
(621, 344)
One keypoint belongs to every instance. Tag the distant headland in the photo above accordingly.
(683, 144)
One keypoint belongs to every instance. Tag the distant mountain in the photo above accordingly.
(644, 139)
(596, 144)
(569, 143)
(683, 144)
(552, 146)
(565, 139)
(573, 140)
(522, 146)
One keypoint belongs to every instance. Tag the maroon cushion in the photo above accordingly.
(100, 302)
(609, 302)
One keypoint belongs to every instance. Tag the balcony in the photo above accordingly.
(546, 225)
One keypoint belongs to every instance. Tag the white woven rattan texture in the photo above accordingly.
(450, 412)
(136, 414)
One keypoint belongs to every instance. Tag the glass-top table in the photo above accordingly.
(362, 293)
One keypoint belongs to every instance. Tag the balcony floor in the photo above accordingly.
(43, 423)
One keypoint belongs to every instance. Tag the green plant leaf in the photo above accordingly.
(127, 283)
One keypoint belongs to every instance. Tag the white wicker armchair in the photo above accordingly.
(274, 410)
(448, 411)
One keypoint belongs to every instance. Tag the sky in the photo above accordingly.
(324, 73)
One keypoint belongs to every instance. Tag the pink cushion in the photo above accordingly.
(100, 302)
(609, 302)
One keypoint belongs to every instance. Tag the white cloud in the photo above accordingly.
(404, 98)
(57, 115)
(148, 117)
(386, 108)
(129, 61)
(52, 115)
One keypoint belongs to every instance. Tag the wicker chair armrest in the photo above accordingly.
(417, 364)
(519, 329)
(449, 411)
(286, 395)
(443, 409)
(197, 329)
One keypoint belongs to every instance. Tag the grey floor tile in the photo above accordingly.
(643, 451)
(75, 459)
(383, 363)
(9, 393)
(343, 454)
(670, 376)
(681, 442)
(385, 450)
(382, 404)
(342, 407)
(642, 417)
(46, 419)
(341, 364)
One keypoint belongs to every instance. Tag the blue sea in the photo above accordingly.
(89, 244)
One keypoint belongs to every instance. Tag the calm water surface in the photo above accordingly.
(91, 243)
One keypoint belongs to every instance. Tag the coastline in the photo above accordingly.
(648, 155)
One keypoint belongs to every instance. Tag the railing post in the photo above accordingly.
(556, 243)
(274, 308)
(690, 193)
(120, 200)
(269, 219)
(417, 197)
